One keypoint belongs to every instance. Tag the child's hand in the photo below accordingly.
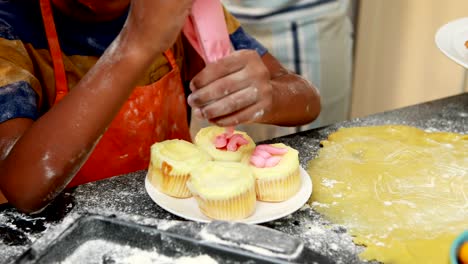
(234, 90)
(153, 25)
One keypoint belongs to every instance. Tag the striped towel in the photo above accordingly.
(312, 38)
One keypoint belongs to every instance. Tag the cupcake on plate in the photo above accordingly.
(276, 171)
(224, 190)
(171, 164)
(224, 144)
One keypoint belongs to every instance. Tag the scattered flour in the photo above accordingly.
(167, 224)
(315, 229)
(46, 156)
(202, 259)
(322, 236)
(329, 183)
(258, 114)
(380, 244)
(48, 170)
(317, 204)
(98, 251)
(49, 173)
(293, 88)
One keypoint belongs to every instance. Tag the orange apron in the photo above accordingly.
(151, 114)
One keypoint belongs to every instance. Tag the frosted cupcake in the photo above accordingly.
(224, 144)
(171, 164)
(224, 190)
(276, 171)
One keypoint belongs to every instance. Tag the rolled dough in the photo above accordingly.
(402, 192)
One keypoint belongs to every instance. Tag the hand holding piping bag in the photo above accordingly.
(234, 87)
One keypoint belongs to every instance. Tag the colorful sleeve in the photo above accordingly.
(239, 38)
(20, 91)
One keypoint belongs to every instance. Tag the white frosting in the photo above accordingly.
(221, 180)
(181, 155)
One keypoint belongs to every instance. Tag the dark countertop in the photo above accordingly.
(126, 197)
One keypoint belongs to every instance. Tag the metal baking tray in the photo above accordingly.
(98, 239)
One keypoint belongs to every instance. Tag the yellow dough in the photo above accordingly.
(401, 191)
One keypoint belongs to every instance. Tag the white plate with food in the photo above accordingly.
(452, 40)
(264, 212)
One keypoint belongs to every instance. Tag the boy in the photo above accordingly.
(84, 96)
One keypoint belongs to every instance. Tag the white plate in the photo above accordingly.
(450, 39)
(264, 212)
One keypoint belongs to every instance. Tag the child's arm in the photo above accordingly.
(39, 158)
(2, 198)
(244, 88)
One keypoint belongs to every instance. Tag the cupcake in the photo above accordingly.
(171, 164)
(224, 144)
(224, 190)
(276, 171)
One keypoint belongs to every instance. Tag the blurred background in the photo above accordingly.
(365, 56)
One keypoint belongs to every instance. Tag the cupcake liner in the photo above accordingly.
(278, 190)
(237, 207)
(168, 182)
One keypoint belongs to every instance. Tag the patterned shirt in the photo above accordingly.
(26, 72)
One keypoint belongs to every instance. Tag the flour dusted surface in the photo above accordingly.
(102, 251)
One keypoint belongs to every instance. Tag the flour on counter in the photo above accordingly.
(320, 235)
(99, 251)
(202, 259)
(167, 224)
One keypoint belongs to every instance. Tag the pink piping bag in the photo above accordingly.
(207, 32)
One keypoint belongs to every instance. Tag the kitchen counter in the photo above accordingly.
(125, 196)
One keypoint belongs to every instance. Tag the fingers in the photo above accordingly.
(233, 73)
(197, 112)
(250, 114)
(223, 67)
(219, 88)
(234, 90)
(231, 104)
